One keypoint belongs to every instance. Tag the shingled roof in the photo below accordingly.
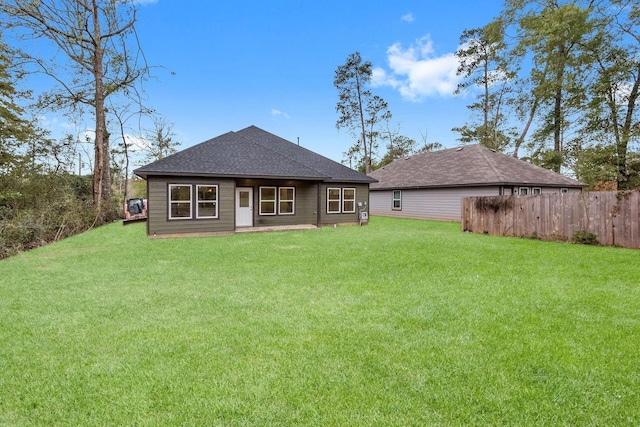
(252, 153)
(467, 166)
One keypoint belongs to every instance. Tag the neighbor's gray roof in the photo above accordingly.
(471, 165)
(252, 152)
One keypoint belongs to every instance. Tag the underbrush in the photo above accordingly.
(40, 209)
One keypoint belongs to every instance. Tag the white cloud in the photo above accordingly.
(136, 143)
(408, 17)
(276, 113)
(47, 122)
(417, 72)
(88, 135)
(143, 2)
(68, 126)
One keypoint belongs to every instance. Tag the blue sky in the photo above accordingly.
(231, 64)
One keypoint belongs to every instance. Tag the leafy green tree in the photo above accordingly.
(612, 115)
(483, 66)
(574, 89)
(595, 165)
(360, 111)
(493, 137)
(397, 145)
(15, 130)
(550, 35)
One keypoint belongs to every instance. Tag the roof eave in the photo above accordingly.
(144, 175)
(355, 181)
(482, 184)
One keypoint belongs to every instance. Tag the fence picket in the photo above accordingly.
(612, 216)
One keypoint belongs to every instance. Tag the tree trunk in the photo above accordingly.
(367, 161)
(485, 107)
(623, 144)
(523, 135)
(557, 107)
(557, 121)
(101, 172)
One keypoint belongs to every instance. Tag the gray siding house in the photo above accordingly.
(249, 178)
(432, 185)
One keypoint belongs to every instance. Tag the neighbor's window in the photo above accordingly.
(397, 200)
(207, 203)
(564, 190)
(286, 200)
(179, 201)
(333, 200)
(267, 200)
(536, 190)
(524, 191)
(348, 200)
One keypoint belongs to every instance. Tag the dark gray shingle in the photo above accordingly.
(471, 165)
(252, 152)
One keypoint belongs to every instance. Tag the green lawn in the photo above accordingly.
(400, 323)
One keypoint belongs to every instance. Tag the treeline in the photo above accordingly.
(38, 208)
(554, 82)
(53, 186)
(558, 83)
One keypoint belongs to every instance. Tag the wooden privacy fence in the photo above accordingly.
(612, 216)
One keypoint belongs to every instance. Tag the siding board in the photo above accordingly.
(443, 204)
(362, 196)
(305, 202)
(307, 196)
(439, 203)
(158, 216)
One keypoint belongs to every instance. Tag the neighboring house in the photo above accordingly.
(249, 178)
(432, 185)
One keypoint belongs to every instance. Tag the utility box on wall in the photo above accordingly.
(364, 218)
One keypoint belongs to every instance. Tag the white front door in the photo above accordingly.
(244, 207)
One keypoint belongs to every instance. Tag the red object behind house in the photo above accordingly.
(135, 210)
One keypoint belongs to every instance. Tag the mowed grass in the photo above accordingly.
(400, 323)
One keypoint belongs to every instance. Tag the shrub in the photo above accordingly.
(494, 203)
(42, 208)
(585, 238)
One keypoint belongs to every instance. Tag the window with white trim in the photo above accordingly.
(286, 200)
(536, 190)
(333, 200)
(207, 201)
(267, 200)
(397, 200)
(523, 191)
(348, 200)
(179, 201)
(564, 190)
(341, 200)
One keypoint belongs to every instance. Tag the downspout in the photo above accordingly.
(368, 207)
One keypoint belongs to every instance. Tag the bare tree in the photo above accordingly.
(360, 111)
(159, 142)
(94, 36)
